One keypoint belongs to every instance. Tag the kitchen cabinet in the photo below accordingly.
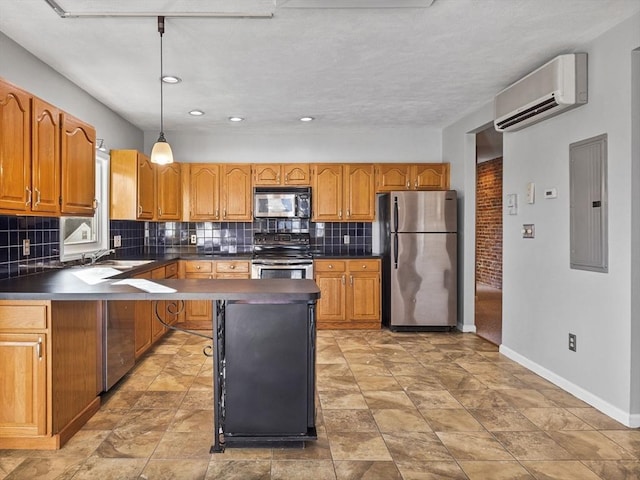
(29, 153)
(132, 186)
(343, 192)
(236, 193)
(78, 166)
(285, 174)
(350, 293)
(169, 192)
(148, 330)
(418, 176)
(197, 314)
(204, 192)
(49, 371)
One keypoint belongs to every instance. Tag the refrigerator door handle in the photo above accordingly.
(395, 251)
(395, 214)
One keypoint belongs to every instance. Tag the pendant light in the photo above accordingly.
(161, 152)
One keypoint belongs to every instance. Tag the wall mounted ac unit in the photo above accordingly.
(555, 87)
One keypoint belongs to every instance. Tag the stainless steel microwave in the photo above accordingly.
(281, 202)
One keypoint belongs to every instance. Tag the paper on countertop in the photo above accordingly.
(146, 285)
(93, 276)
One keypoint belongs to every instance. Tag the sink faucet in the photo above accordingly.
(95, 256)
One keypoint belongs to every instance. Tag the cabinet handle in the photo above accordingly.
(160, 211)
(224, 213)
(339, 213)
(197, 267)
(415, 183)
(278, 178)
(231, 267)
(286, 178)
(408, 184)
(95, 203)
(364, 267)
(139, 210)
(38, 196)
(28, 196)
(351, 280)
(343, 279)
(217, 213)
(330, 265)
(39, 348)
(348, 213)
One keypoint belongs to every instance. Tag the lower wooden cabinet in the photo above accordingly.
(350, 293)
(198, 314)
(148, 329)
(49, 375)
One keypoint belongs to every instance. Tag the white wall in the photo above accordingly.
(313, 144)
(27, 72)
(543, 299)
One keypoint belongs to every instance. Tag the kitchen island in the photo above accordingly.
(49, 328)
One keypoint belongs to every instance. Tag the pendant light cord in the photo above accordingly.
(161, 31)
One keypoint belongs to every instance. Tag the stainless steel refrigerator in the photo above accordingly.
(419, 245)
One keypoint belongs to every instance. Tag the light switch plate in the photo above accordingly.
(117, 241)
(531, 192)
(512, 203)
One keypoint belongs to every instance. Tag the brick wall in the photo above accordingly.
(489, 223)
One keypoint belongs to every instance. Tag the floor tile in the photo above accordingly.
(129, 444)
(415, 446)
(434, 399)
(569, 470)
(352, 470)
(590, 445)
(627, 439)
(378, 383)
(336, 399)
(45, 469)
(554, 419)
(302, 470)
(473, 446)
(349, 421)
(532, 446)
(358, 446)
(495, 470)
(417, 470)
(400, 420)
(615, 469)
(385, 399)
(451, 420)
(110, 469)
(238, 470)
(175, 469)
(502, 419)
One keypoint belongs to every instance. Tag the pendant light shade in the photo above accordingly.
(161, 152)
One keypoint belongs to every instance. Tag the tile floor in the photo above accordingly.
(391, 406)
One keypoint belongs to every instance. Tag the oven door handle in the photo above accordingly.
(282, 265)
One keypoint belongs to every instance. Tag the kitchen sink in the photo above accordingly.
(123, 264)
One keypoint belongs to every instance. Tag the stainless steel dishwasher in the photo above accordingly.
(118, 347)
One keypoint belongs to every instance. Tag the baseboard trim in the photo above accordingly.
(627, 419)
(464, 328)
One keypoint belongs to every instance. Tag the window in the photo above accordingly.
(86, 235)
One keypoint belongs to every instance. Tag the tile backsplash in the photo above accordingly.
(159, 238)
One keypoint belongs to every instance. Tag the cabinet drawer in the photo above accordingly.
(232, 267)
(198, 267)
(23, 317)
(329, 266)
(171, 270)
(364, 265)
(206, 276)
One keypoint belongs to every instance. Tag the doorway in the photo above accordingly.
(488, 268)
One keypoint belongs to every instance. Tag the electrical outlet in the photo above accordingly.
(194, 239)
(26, 247)
(572, 342)
(346, 239)
(117, 241)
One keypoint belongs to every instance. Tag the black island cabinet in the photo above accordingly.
(264, 370)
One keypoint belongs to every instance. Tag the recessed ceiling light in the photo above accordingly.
(171, 79)
(306, 119)
(236, 119)
(196, 113)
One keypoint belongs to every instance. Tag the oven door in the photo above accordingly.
(274, 270)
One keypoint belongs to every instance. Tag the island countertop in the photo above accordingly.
(65, 285)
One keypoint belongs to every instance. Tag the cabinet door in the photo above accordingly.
(363, 302)
(266, 174)
(146, 188)
(45, 172)
(431, 176)
(169, 192)
(204, 192)
(393, 177)
(236, 193)
(78, 167)
(327, 192)
(331, 306)
(359, 193)
(23, 403)
(296, 174)
(143, 322)
(15, 149)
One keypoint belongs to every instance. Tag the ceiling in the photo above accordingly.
(425, 63)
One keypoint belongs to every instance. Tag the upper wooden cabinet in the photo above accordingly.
(417, 176)
(236, 195)
(281, 174)
(29, 153)
(204, 192)
(169, 192)
(343, 192)
(132, 186)
(78, 191)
